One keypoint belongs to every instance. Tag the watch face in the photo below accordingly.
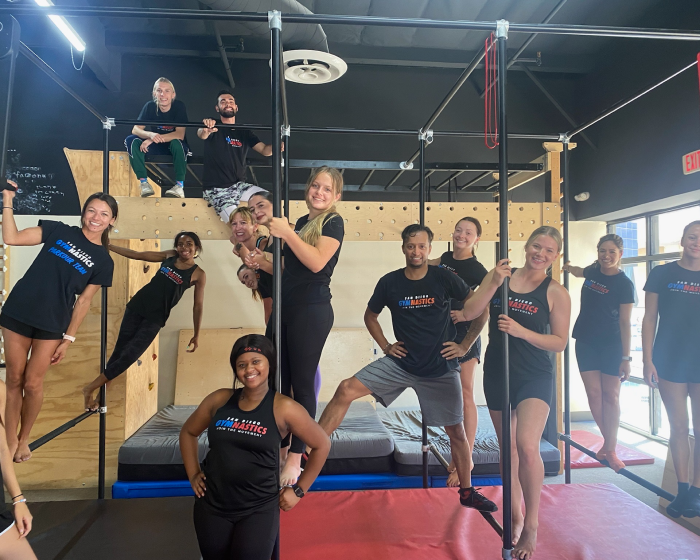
(298, 491)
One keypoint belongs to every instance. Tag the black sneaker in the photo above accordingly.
(472, 498)
(676, 507)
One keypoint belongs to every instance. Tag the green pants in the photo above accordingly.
(177, 148)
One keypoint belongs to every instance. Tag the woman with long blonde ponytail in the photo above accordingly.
(310, 255)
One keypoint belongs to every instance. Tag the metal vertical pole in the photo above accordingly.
(567, 372)
(285, 133)
(421, 204)
(106, 126)
(275, 22)
(502, 60)
(9, 47)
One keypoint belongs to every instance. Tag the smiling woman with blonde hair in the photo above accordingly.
(310, 255)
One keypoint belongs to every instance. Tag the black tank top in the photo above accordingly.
(532, 312)
(157, 298)
(472, 272)
(241, 466)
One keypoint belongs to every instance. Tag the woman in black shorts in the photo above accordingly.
(15, 522)
(671, 362)
(462, 261)
(311, 251)
(238, 495)
(537, 325)
(41, 316)
(603, 334)
(149, 309)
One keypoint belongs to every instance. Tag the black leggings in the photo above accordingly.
(135, 336)
(305, 329)
(246, 538)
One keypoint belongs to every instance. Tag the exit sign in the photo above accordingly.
(691, 163)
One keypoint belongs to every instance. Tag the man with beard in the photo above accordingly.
(424, 358)
(225, 152)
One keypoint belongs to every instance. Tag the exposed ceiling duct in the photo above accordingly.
(294, 35)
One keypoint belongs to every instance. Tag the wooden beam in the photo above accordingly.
(557, 146)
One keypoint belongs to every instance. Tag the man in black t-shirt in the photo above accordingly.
(225, 152)
(161, 139)
(425, 357)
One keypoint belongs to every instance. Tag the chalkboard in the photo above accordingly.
(38, 185)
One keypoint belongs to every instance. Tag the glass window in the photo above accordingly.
(634, 236)
(638, 274)
(635, 405)
(671, 226)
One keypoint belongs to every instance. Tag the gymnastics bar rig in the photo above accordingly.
(9, 47)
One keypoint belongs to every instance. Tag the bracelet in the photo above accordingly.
(8, 208)
(69, 337)
(17, 496)
(387, 346)
(22, 501)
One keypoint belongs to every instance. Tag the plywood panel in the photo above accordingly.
(200, 373)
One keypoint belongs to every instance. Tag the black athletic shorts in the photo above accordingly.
(474, 351)
(592, 357)
(27, 330)
(535, 387)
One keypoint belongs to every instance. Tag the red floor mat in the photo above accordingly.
(577, 522)
(594, 442)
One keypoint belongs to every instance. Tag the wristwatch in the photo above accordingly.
(298, 491)
(627, 358)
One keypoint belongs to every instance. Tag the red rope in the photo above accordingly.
(490, 102)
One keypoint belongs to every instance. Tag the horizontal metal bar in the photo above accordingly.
(51, 73)
(651, 258)
(342, 130)
(626, 102)
(624, 472)
(58, 431)
(327, 19)
(441, 166)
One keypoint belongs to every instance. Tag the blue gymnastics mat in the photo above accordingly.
(382, 481)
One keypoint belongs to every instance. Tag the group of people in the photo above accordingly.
(438, 309)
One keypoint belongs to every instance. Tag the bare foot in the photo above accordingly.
(525, 547)
(22, 454)
(90, 401)
(453, 479)
(614, 461)
(517, 528)
(601, 455)
(291, 471)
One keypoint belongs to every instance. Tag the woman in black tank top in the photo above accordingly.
(237, 491)
(15, 520)
(462, 261)
(149, 309)
(537, 326)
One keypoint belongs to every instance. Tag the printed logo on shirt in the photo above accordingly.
(684, 287)
(254, 429)
(415, 302)
(519, 304)
(72, 255)
(171, 274)
(165, 129)
(443, 265)
(234, 142)
(595, 286)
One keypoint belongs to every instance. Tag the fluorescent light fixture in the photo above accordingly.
(64, 27)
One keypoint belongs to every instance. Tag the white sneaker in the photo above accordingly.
(176, 192)
(146, 189)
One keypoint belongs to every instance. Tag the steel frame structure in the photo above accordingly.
(280, 128)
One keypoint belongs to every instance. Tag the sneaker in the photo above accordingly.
(176, 192)
(676, 508)
(472, 498)
(146, 189)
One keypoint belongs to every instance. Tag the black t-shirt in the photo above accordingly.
(264, 278)
(679, 316)
(420, 315)
(601, 297)
(225, 153)
(151, 112)
(472, 272)
(45, 296)
(241, 466)
(299, 284)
